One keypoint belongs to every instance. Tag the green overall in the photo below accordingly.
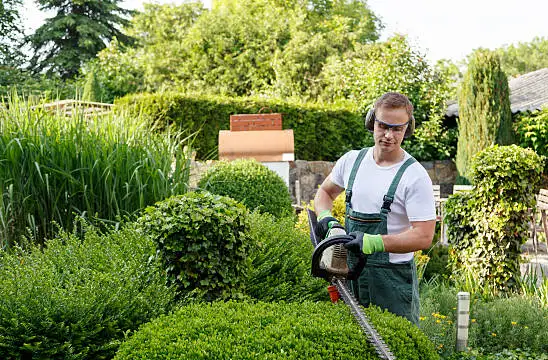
(390, 286)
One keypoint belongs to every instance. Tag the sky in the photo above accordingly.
(439, 29)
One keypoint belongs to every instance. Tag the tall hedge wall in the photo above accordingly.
(321, 133)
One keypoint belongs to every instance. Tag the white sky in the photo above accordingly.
(438, 28)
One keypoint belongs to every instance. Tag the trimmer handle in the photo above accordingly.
(353, 273)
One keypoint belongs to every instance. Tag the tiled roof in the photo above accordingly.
(527, 93)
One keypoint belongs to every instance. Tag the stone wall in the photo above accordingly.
(310, 174)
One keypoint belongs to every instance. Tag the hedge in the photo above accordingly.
(240, 330)
(321, 133)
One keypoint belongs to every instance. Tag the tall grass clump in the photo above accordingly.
(53, 167)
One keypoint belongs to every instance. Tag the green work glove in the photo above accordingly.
(326, 223)
(365, 243)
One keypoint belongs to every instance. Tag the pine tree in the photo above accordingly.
(79, 30)
(485, 117)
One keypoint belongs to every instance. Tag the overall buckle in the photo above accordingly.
(387, 202)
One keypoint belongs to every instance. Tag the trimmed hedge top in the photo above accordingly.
(239, 330)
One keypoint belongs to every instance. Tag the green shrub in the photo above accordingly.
(251, 183)
(532, 132)
(281, 263)
(438, 262)
(76, 298)
(271, 331)
(202, 241)
(321, 133)
(487, 226)
(53, 168)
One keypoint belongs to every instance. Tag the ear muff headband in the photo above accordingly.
(370, 123)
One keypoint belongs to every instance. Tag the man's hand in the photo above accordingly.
(365, 243)
(326, 222)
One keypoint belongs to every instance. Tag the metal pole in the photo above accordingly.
(463, 315)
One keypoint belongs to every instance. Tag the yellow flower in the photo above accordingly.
(422, 318)
(526, 327)
(514, 323)
(493, 334)
(454, 308)
(438, 321)
(473, 320)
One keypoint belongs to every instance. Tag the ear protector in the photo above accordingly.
(370, 123)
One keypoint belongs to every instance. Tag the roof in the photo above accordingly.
(527, 93)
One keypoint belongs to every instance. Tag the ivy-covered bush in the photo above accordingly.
(77, 297)
(251, 183)
(487, 226)
(239, 330)
(321, 133)
(202, 241)
(281, 262)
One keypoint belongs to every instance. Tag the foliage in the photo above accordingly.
(75, 34)
(53, 167)
(487, 226)
(11, 31)
(92, 90)
(484, 110)
(251, 183)
(281, 263)
(338, 211)
(524, 57)
(532, 132)
(438, 263)
(247, 47)
(78, 297)
(321, 133)
(500, 325)
(203, 243)
(271, 331)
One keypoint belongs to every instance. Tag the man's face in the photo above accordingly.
(389, 130)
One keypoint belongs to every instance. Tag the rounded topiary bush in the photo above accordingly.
(251, 183)
(202, 240)
(240, 330)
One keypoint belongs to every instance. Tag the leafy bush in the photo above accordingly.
(271, 331)
(438, 263)
(202, 241)
(532, 132)
(281, 263)
(251, 183)
(321, 133)
(76, 298)
(53, 168)
(487, 226)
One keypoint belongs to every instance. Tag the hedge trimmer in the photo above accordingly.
(329, 262)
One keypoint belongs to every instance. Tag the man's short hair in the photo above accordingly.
(394, 100)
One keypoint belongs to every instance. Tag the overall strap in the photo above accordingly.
(389, 197)
(355, 168)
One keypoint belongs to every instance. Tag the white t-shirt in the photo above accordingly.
(413, 200)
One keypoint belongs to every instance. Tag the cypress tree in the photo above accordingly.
(92, 88)
(485, 117)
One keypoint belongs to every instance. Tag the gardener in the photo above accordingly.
(390, 209)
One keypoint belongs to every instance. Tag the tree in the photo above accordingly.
(79, 30)
(11, 31)
(524, 57)
(485, 117)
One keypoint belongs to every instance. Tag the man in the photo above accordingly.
(390, 209)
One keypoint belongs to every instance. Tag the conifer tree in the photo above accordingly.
(485, 117)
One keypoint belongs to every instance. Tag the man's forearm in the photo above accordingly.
(416, 238)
